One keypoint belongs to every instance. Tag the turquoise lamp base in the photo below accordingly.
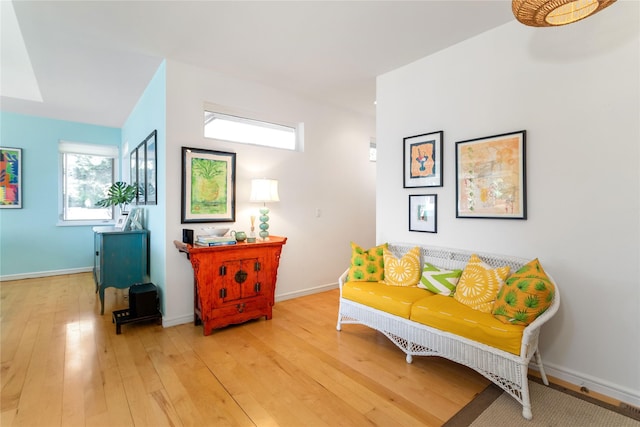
(264, 224)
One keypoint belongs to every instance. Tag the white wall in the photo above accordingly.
(576, 91)
(333, 174)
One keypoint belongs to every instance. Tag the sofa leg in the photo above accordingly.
(543, 374)
(526, 412)
(409, 358)
(525, 396)
(338, 326)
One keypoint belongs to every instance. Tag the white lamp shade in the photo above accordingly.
(264, 190)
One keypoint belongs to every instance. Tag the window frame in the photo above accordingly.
(82, 148)
(262, 120)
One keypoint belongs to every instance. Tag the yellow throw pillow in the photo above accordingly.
(366, 266)
(526, 295)
(479, 284)
(404, 271)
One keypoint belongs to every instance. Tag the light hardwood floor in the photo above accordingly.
(64, 365)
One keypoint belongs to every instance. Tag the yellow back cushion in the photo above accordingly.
(404, 271)
(479, 284)
(526, 295)
(366, 265)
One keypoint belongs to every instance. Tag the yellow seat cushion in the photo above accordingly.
(395, 300)
(404, 271)
(447, 314)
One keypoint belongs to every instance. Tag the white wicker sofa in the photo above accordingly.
(505, 369)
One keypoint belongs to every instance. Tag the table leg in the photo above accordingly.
(101, 293)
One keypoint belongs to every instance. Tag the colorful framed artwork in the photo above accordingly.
(10, 177)
(423, 213)
(491, 177)
(422, 159)
(208, 186)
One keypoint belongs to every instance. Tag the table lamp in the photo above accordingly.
(264, 190)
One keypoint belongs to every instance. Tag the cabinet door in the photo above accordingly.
(240, 279)
(123, 259)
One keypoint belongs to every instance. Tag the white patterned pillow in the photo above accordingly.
(439, 281)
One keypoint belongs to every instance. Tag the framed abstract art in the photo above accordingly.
(10, 177)
(491, 177)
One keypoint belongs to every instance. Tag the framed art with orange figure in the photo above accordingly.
(423, 160)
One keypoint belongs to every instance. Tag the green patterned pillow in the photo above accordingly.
(366, 265)
(439, 281)
(525, 295)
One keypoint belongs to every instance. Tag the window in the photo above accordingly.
(250, 131)
(86, 172)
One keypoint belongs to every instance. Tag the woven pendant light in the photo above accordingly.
(552, 13)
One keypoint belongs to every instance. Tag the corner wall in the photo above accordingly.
(148, 115)
(576, 91)
(332, 174)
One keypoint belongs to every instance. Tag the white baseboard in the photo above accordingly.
(37, 274)
(175, 321)
(304, 292)
(615, 391)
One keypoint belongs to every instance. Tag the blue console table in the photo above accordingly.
(121, 259)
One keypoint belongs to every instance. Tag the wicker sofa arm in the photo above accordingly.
(342, 279)
(533, 329)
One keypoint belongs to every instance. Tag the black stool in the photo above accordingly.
(143, 305)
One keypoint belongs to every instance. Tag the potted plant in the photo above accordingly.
(121, 194)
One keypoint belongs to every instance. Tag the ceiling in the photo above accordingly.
(91, 60)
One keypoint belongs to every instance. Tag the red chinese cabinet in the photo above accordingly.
(233, 283)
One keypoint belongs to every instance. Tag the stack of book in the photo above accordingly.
(215, 240)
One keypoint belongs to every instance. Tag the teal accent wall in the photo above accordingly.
(148, 115)
(30, 240)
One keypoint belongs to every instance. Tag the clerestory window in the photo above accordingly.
(245, 130)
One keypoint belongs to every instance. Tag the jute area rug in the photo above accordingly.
(552, 406)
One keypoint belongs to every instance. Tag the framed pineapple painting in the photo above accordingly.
(208, 186)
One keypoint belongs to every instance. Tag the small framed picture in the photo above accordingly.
(423, 213)
(134, 220)
(120, 222)
(423, 160)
